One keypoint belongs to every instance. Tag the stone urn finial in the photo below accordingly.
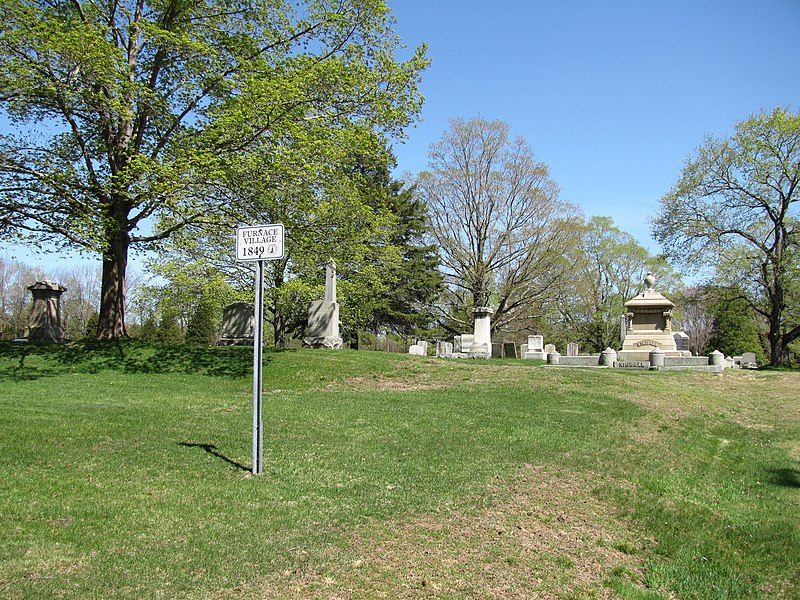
(649, 280)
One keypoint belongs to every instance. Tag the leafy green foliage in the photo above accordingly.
(204, 324)
(735, 208)
(609, 266)
(129, 113)
(352, 214)
(733, 329)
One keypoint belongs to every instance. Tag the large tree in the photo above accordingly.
(610, 265)
(129, 114)
(733, 329)
(497, 217)
(349, 211)
(735, 208)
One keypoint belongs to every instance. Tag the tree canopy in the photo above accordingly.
(609, 266)
(133, 116)
(735, 207)
(496, 215)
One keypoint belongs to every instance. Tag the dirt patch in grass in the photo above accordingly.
(386, 383)
(430, 373)
(544, 535)
(753, 399)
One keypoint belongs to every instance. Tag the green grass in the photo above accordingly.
(125, 473)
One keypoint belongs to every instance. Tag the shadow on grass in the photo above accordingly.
(214, 451)
(25, 361)
(785, 477)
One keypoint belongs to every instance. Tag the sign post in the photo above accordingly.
(259, 243)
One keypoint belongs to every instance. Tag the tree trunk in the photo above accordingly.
(776, 350)
(774, 280)
(111, 325)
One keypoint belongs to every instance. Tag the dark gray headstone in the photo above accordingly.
(497, 350)
(681, 340)
(237, 325)
(44, 323)
(510, 350)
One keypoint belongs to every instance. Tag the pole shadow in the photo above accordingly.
(214, 451)
(785, 477)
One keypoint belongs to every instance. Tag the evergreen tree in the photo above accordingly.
(204, 322)
(733, 329)
(406, 306)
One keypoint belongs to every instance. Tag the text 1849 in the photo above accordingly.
(254, 250)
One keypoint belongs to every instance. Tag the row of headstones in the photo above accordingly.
(461, 345)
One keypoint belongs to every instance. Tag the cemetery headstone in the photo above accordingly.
(323, 316)
(497, 350)
(237, 325)
(649, 325)
(510, 350)
(548, 348)
(536, 350)
(749, 359)
(444, 348)
(681, 340)
(44, 322)
(482, 340)
(572, 349)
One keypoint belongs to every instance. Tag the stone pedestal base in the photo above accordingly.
(480, 351)
(330, 343)
(644, 355)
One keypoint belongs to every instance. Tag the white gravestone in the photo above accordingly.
(535, 348)
(482, 342)
(323, 316)
(444, 348)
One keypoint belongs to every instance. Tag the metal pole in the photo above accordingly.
(258, 355)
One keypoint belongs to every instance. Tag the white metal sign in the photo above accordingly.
(259, 242)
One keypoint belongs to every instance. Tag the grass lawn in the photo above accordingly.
(125, 473)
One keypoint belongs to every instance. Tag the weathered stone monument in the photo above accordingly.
(444, 349)
(237, 325)
(419, 349)
(482, 341)
(535, 349)
(681, 340)
(323, 316)
(509, 350)
(44, 323)
(572, 349)
(649, 326)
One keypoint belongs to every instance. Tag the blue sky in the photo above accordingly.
(613, 96)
